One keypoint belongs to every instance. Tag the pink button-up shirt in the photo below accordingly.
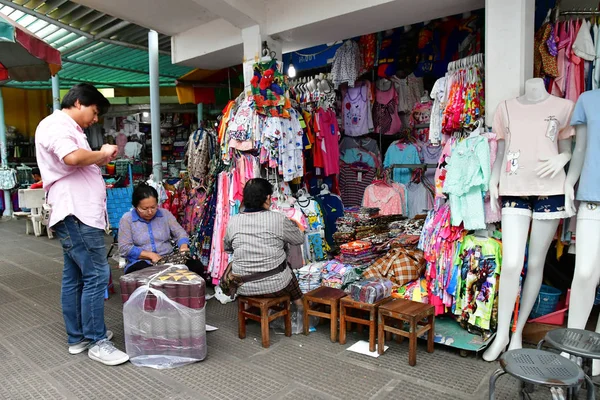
(70, 190)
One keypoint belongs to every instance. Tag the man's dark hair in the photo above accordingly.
(256, 192)
(141, 192)
(87, 95)
(35, 171)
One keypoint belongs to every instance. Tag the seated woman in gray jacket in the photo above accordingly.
(257, 238)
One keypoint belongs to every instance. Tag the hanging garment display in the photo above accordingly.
(467, 181)
(389, 198)
(401, 153)
(419, 120)
(347, 64)
(327, 140)
(478, 263)
(438, 94)
(333, 208)
(466, 95)
(356, 110)
(385, 114)
(269, 89)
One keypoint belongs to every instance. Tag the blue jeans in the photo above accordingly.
(85, 278)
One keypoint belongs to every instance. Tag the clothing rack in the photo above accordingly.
(582, 12)
(475, 59)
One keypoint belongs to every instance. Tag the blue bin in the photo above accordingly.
(546, 302)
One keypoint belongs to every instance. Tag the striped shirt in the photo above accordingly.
(257, 241)
(353, 183)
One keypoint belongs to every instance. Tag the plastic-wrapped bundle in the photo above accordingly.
(370, 290)
(164, 317)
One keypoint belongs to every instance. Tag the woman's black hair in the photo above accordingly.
(87, 95)
(35, 171)
(141, 192)
(256, 192)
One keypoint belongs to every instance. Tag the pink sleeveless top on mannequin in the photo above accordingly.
(385, 114)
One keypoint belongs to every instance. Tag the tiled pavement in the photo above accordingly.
(35, 364)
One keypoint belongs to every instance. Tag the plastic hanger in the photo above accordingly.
(302, 195)
(477, 131)
(324, 189)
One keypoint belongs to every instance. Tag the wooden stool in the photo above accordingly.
(347, 304)
(407, 311)
(323, 296)
(257, 309)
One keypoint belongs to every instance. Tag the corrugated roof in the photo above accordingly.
(96, 48)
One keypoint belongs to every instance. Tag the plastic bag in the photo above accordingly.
(278, 325)
(161, 333)
(370, 290)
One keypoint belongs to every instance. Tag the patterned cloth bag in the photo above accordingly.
(8, 178)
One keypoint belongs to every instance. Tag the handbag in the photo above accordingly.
(230, 282)
(176, 258)
(8, 178)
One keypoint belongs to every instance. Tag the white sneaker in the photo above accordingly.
(106, 352)
(82, 346)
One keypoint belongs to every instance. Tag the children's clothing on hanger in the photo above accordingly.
(356, 110)
(401, 153)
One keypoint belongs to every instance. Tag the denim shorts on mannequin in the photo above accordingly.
(536, 207)
(589, 210)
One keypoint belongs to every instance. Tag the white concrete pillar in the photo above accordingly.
(154, 105)
(55, 93)
(253, 40)
(509, 30)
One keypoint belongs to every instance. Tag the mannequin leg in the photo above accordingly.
(515, 229)
(585, 279)
(587, 273)
(542, 233)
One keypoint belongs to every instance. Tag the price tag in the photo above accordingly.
(478, 252)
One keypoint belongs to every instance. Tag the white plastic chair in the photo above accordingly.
(34, 199)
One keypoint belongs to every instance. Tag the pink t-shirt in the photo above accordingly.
(78, 191)
(328, 136)
(531, 133)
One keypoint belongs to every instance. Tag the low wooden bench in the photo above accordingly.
(257, 309)
(349, 307)
(316, 302)
(420, 317)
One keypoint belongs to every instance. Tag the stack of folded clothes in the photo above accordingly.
(333, 273)
(358, 252)
(411, 227)
(345, 230)
(370, 290)
(310, 276)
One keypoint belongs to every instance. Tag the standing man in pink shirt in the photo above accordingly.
(76, 192)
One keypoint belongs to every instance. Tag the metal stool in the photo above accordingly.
(539, 367)
(578, 342)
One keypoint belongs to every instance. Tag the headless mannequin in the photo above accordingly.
(515, 229)
(587, 273)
